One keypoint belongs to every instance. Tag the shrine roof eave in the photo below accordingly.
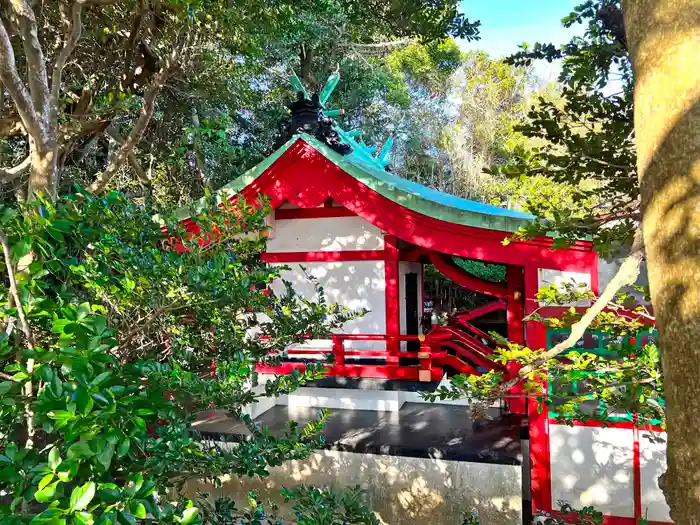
(411, 195)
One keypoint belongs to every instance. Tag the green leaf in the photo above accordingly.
(20, 376)
(138, 509)
(46, 494)
(113, 435)
(145, 412)
(62, 225)
(9, 475)
(7, 215)
(127, 518)
(134, 484)
(5, 387)
(49, 516)
(188, 516)
(84, 310)
(83, 400)
(108, 518)
(11, 451)
(59, 325)
(84, 518)
(67, 470)
(123, 448)
(110, 493)
(101, 379)
(140, 424)
(54, 458)
(80, 450)
(81, 496)
(21, 248)
(105, 457)
(45, 481)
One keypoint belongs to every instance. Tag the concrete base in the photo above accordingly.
(380, 400)
(377, 395)
(401, 490)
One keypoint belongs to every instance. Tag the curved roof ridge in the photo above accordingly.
(427, 201)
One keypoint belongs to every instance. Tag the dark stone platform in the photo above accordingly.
(417, 430)
(367, 383)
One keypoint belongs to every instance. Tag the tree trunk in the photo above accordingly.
(43, 174)
(306, 56)
(664, 42)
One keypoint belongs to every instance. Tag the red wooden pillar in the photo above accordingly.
(391, 277)
(425, 374)
(515, 313)
(339, 350)
(538, 422)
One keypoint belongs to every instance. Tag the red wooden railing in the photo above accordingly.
(469, 353)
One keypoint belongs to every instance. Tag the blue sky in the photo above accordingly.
(505, 24)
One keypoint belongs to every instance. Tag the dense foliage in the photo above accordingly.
(587, 134)
(577, 175)
(202, 83)
(112, 345)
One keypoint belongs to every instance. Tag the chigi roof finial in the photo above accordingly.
(309, 114)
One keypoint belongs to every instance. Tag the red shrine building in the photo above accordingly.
(366, 235)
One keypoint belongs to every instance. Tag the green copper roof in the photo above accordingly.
(411, 195)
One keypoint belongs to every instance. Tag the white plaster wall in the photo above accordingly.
(608, 269)
(356, 285)
(401, 490)
(652, 452)
(547, 277)
(593, 466)
(327, 234)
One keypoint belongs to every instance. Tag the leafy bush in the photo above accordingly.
(113, 342)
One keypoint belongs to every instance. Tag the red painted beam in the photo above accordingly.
(459, 365)
(445, 266)
(407, 373)
(480, 311)
(472, 355)
(313, 213)
(329, 256)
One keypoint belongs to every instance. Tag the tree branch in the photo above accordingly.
(10, 174)
(75, 27)
(626, 275)
(31, 343)
(18, 91)
(609, 164)
(136, 133)
(133, 161)
(36, 63)
(28, 335)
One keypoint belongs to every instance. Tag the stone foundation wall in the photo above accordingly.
(401, 490)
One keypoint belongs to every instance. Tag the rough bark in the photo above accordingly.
(664, 42)
(36, 64)
(43, 173)
(75, 27)
(16, 88)
(306, 57)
